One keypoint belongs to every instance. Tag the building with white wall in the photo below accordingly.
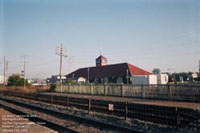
(144, 79)
(2, 79)
(149, 79)
(108, 73)
(162, 78)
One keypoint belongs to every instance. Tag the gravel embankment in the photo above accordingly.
(11, 123)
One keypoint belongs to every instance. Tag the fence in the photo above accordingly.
(174, 117)
(160, 92)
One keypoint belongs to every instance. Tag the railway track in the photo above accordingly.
(62, 120)
(172, 117)
(49, 124)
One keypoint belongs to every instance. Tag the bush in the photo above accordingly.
(70, 82)
(52, 88)
(16, 80)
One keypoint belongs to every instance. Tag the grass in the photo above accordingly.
(26, 89)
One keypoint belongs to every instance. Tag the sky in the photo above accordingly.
(162, 34)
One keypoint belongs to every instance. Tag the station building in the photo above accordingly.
(105, 73)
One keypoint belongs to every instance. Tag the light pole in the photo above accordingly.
(127, 76)
(24, 57)
(88, 75)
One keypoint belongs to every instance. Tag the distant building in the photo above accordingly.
(104, 73)
(193, 77)
(55, 79)
(30, 81)
(37, 82)
(2, 79)
(79, 80)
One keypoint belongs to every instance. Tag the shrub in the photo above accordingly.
(52, 88)
(16, 80)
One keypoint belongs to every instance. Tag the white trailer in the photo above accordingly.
(144, 80)
(1, 79)
(149, 79)
(162, 78)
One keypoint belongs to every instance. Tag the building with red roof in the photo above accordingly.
(104, 73)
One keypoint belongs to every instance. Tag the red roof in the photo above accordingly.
(101, 57)
(109, 71)
(137, 71)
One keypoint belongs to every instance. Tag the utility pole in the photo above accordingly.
(60, 51)
(24, 67)
(4, 71)
(88, 75)
(199, 68)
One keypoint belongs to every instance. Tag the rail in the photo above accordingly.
(174, 117)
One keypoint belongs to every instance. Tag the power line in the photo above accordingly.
(47, 63)
(60, 51)
(71, 63)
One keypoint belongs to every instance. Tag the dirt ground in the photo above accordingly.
(11, 123)
(135, 100)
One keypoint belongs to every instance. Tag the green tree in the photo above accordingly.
(71, 82)
(16, 80)
(156, 71)
(53, 88)
(184, 75)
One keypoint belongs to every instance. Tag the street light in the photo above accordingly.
(127, 76)
(88, 75)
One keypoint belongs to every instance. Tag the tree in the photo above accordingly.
(16, 80)
(70, 82)
(184, 75)
(53, 88)
(156, 71)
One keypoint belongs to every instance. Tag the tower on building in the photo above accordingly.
(101, 61)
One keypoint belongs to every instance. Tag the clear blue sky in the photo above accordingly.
(146, 33)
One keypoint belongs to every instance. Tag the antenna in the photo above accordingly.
(100, 51)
